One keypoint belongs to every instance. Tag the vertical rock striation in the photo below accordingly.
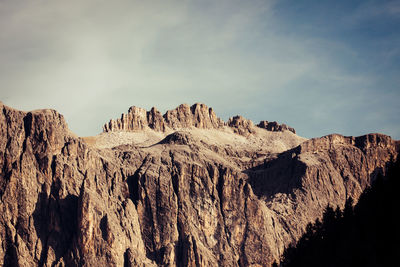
(179, 202)
(184, 116)
(275, 127)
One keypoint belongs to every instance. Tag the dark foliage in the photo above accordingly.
(364, 235)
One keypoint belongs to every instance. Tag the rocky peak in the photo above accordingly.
(275, 127)
(46, 127)
(198, 115)
(183, 117)
(135, 119)
(183, 201)
(155, 120)
(363, 142)
(241, 125)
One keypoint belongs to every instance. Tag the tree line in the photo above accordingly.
(365, 234)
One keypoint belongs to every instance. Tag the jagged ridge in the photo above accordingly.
(179, 202)
(184, 116)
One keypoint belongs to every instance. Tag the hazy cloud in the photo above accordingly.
(91, 60)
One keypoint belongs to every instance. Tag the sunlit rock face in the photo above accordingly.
(184, 116)
(179, 189)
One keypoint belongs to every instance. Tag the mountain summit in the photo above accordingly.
(184, 116)
(180, 189)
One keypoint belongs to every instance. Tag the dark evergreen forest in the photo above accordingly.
(366, 234)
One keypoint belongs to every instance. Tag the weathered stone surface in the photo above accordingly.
(275, 127)
(184, 116)
(49, 216)
(241, 125)
(136, 119)
(321, 171)
(155, 120)
(198, 115)
(199, 197)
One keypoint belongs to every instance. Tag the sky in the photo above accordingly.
(319, 66)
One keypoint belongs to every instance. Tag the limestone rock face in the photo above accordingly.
(184, 116)
(241, 125)
(320, 171)
(136, 119)
(210, 195)
(198, 115)
(155, 120)
(57, 202)
(275, 127)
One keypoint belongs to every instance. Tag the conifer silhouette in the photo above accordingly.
(366, 234)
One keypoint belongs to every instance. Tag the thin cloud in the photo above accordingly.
(92, 60)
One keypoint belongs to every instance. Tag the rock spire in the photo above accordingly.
(183, 117)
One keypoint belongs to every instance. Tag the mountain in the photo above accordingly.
(180, 189)
(362, 235)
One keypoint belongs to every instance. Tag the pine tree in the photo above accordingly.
(366, 234)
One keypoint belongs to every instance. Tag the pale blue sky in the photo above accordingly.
(320, 66)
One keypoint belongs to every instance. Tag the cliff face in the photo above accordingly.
(274, 126)
(200, 193)
(185, 116)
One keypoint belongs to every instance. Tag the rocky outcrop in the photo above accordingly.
(275, 127)
(136, 119)
(57, 202)
(184, 116)
(321, 171)
(198, 115)
(155, 120)
(241, 125)
(180, 202)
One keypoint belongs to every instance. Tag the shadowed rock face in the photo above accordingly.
(274, 126)
(179, 202)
